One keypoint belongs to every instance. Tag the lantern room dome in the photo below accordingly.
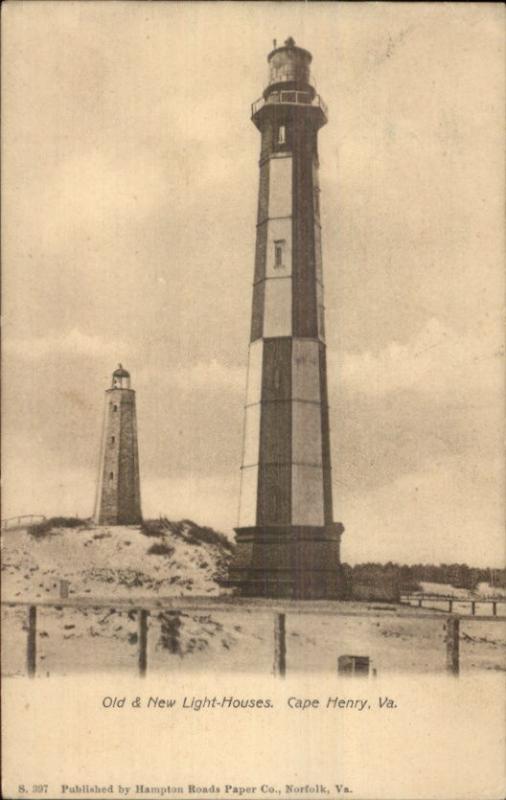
(120, 378)
(120, 372)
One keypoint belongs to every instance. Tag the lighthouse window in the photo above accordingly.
(111, 476)
(113, 439)
(282, 134)
(279, 247)
(115, 407)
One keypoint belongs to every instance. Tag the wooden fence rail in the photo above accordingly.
(24, 521)
(452, 626)
(428, 598)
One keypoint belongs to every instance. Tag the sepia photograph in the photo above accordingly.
(253, 391)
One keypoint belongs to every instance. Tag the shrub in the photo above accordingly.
(176, 528)
(42, 529)
(170, 630)
(160, 549)
(197, 535)
(152, 527)
(188, 531)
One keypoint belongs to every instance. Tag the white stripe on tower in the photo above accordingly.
(277, 312)
(251, 445)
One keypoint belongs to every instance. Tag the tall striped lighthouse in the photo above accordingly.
(287, 541)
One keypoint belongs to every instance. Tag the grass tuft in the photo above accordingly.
(160, 549)
(44, 528)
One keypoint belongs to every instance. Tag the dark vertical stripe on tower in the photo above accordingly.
(275, 471)
(257, 316)
(327, 472)
(277, 369)
(304, 306)
(260, 252)
(267, 143)
(127, 494)
(263, 193)
(137, 483)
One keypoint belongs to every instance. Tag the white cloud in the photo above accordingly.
(437, 360)
(72, 343)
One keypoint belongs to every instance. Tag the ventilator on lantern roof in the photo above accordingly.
(120, 372)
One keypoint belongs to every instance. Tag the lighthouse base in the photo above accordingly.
(292, 561)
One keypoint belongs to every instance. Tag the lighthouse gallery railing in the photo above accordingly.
(291, 98)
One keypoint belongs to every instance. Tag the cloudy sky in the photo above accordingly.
(129, 199)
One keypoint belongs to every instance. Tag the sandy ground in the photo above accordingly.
(112, 565)
(108, 561)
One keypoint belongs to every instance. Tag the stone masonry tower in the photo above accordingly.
(287, 541)
(118, 499)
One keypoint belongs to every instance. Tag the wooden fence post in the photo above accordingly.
(473, 607)
(64, 589)
(452, 645)
(31, 646)
(420, 602)
(450, 606)
(494, 609)
(143, 641)
(279, 645)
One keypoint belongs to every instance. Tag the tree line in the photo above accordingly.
(409, 576)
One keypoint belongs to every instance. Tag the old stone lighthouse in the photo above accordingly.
(118, 500)
(287, 541)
